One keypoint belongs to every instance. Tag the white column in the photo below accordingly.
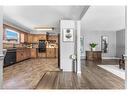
(78, 47)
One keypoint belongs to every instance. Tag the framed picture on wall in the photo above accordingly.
(68, 35)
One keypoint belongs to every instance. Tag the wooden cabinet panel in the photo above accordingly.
(93, 55)
(18, 55)
(53, 38)
(26, 38)
(51, 52)
(22, 54)
(30, 38)
(33, 52)
(34, 38)
(56, 52)
(42, 37)
(23, 37)
(42, 55)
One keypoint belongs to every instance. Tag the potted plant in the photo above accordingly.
(93, 46)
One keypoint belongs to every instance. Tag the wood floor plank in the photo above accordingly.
(27, 74)
(44, 74)
(92, 77)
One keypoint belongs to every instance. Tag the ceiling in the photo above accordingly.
(104, 18)
(29, 17)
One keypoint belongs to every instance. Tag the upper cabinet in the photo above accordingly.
(34, 38)
(23, 37)
(53, 38)
(42, 37)
(30, 38)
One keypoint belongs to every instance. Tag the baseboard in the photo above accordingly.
(110, 58)
(78, 72)
(83, 57)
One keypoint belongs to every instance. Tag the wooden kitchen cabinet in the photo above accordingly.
(42, 55)
(51, 52)
(53, 38)
(56, 52)
(33, 53)
(30, 38)
(23, 37)
(26, 38)
(42, 37)
(34, 38)
(22, 54)
(19, 56)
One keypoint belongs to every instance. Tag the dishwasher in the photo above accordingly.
(10, 57)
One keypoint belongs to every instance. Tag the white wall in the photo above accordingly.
(95, 36)
(66, 48)
(1, 32)
(120, 43)
(102, 20)
(69, 48)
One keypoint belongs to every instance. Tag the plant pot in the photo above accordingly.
(93, 49)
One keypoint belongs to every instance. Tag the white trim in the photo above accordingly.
(110, 58)
(78, 72)
(78, 27)
(83, 57)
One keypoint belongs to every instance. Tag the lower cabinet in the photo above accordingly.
(33, 53)
(51, 52)
(22, 54)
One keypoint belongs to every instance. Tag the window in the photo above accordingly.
(11, 36)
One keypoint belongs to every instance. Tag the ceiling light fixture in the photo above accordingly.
(44, 28)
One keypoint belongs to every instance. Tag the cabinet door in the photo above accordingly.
(18, 56)
(35, 38)
(26, 38)
(42, 37)
(56, 52)
(22, 37)
(28, 53)
(51, 52)
(30, 37)
(33, 53)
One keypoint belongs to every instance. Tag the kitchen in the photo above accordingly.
(29, 45)
(28, 55)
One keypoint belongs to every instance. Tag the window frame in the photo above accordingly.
(12, 30)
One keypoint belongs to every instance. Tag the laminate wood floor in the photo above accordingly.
(44, 74)
(92, 77)
(27, 74)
